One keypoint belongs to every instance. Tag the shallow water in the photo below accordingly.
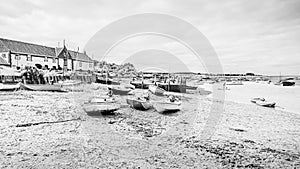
(287, 98)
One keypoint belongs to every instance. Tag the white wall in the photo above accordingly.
(84, 65)
(61, 63)
(22, 62)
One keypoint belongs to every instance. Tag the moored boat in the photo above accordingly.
(288, 83)
(119, 90)
(167, 106)
(156, 90)
(139, 104)
(42, 87)
(100, 109)
(263, 102)
(9, 87)
(106, 81)
(234, 83)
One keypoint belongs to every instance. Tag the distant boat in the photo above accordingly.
(42, 87)
(103, 99)
(156, 90)
(106, 81)
(167, 106)
(141, 84)
(69, 83)
(119, 90)
(263, 102)
(9, 87)
(139, 104)
(234, 83)
(288, 82)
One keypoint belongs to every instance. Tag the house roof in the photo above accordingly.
(28, 48)
(80, 56)
(33, 49)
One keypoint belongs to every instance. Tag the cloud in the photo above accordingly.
(247, 35)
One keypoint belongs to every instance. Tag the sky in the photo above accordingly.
(256, 36)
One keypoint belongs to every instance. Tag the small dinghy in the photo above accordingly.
(100, 106)
(100, 109)
(119, 90)
(139, 104)
(42, 87)
(172, 104)
(167, 106)
(9, 87)
(69, 83)
(102, 100)
(263, 102)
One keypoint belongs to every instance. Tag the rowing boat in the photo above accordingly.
(42, 87)
(167, 106)
(263, 102)
(139, 104)
(100, 109)
(9, 87)
(119, 90)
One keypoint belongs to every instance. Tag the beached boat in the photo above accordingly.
(139, 104)
(263, 102)
(156, 90)
(167, 106)
(119, 90)
(42, 87)
(106, 81)
(254, 100)
(288, 83)
(234, 83)
(69, 83)
(100, 109)
(102, 99)
(141, 84)
(9, 87)
(173, 87)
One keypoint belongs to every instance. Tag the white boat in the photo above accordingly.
(100, 109)
(167, 106)
(9, 87)
(234, 83)
(263, 102)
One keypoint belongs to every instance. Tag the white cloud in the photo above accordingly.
(262, 36)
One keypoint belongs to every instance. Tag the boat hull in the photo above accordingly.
(44, 87)
(139, 104)
(9, 87)
(117, 91)
(100, 109)
(167, 107)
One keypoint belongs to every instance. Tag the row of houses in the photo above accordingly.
(19, 54)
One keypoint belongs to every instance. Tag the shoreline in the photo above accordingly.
(245, 135)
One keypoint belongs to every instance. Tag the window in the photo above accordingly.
(90, 65)
(53, 60)
(3, 55)
(46, 59)
(17, 57)
(80, 64)
(29, 58)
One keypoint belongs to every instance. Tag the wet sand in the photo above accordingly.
(50, 130)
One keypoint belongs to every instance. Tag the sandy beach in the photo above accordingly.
(51, 130)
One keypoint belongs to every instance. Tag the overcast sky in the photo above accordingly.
(261, 36)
